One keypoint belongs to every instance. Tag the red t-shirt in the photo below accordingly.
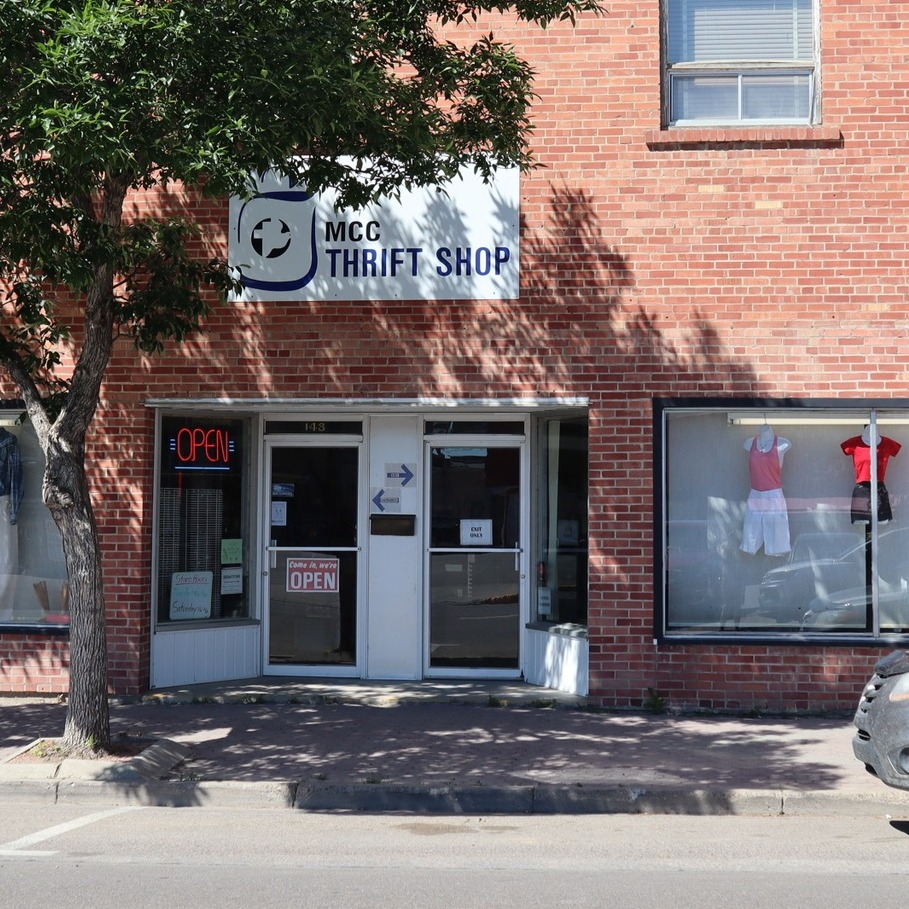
(861, 456)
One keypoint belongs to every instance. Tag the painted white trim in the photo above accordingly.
(557, 661)
(401, 405)
(327, 670)
(522, 553)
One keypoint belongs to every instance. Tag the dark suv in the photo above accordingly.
(882, 721)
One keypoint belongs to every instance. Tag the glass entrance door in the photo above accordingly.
(312, 558)
(475, 558)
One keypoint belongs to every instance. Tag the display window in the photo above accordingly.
(34, 592)
(783, 520)
(561, 593)
(202, 540)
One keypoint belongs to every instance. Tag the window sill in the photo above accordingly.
(794, 638)
(206, 624)
(698, 137)
(35, 628)
(567, 629)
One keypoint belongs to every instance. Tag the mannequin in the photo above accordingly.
(766, 514)
(859, 448)
(11, 492)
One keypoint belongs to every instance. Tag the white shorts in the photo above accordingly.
(766, 523)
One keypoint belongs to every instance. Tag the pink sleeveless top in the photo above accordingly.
(766, 470)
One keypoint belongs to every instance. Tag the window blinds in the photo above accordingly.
(703, 31)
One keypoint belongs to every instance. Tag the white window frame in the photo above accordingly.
(713, 66)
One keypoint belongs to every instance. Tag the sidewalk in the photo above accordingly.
(445, 748)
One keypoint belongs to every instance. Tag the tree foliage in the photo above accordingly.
(101, 98)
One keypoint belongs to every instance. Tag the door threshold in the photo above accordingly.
(372, 692)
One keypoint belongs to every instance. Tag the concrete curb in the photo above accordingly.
(821, 803)
(150, 764)
(454, 800)
(554, 799)
(384, 797)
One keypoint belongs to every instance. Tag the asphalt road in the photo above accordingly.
(150, 857)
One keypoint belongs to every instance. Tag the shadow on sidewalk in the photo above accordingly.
(451, 745)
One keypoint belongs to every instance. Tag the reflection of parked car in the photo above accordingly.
(820, 563)
(695, 576)
(882, 721)
(834, 591)
(850, 608)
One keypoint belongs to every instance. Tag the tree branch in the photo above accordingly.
(31, 395)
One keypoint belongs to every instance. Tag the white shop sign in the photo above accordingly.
(287, 244)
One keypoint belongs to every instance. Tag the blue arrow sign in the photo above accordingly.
(377, 500)
(405, 475)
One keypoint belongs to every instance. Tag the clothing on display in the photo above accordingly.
(860, 511)
(11, 492)
(9, 555)
(859, 449)
(766, 514)
(11, 473)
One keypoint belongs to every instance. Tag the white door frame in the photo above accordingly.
(270, 442)
(522, 444)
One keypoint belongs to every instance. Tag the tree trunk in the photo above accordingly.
(65, 489)
(66, 494)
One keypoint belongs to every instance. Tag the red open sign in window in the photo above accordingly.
(312, 575)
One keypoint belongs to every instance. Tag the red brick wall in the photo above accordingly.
(34, 664)
(695, 263)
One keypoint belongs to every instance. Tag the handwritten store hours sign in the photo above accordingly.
(190, 595)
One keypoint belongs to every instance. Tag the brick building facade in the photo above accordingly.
(689, 272)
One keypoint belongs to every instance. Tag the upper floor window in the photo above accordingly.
(740, 62)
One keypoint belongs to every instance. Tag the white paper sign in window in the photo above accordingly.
(476, 532)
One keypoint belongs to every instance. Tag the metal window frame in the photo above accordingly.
(740, 67)
(770, 409)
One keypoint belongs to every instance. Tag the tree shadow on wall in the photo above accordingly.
(576, 328)
(581, 328)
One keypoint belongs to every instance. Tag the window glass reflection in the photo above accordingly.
(33, 584)
(784, 533)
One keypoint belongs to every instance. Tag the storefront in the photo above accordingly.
(389, 537)
(395, 540)
(517, 429)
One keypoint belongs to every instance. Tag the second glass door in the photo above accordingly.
(475, 558)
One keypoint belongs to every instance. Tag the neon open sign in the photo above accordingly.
(202, 448)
